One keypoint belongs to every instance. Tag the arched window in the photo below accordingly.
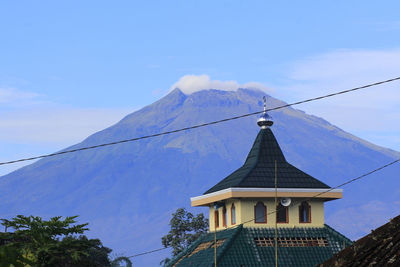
(305, 212)
(260, 213)
(233, 214)
(282, 215)
(216, 218)
(224, 216)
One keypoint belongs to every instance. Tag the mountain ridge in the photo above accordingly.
(136, 185)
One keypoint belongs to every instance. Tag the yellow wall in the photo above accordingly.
(228, 205)
(245, 212)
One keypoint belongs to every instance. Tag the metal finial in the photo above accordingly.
(265, 120)
(265, 104)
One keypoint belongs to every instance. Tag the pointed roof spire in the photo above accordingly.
(265, 120)
(259, 168)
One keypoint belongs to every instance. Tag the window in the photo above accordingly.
(282, 214)
(233, 214)
(216, 218)
(305, 212)
(260, 213)
(224, 219)
(292, 242)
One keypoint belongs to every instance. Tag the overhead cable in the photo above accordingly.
(147, 252)
(315, 196)
(198, 125)
(333, 188)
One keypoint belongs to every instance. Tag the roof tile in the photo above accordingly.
(259, 168)
(239, 247)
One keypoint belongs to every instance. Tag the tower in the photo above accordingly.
(245, 216)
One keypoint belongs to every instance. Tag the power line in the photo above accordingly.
(147, 252)
(198, 125)
(276, 210)
(333, 188)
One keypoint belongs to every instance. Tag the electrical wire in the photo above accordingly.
(276, 210)
(198, 125)
(147, 252)
(330, 189)
(216, 122)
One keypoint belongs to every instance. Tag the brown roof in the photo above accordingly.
(380, 248)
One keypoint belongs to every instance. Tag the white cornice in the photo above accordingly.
(282, 190)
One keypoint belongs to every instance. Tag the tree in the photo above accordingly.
(185, 228)
(122, 259)
(55, 242)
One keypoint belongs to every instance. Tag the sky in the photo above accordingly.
(71, 68)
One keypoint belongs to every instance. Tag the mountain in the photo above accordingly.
(127, 192)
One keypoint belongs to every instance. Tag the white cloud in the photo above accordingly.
(55, 125)
(15, 97)
(36, 131)
(193, 83)
(28, 118)
(349, 64)
(367, 113)
(31, 125)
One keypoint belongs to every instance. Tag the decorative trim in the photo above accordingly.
(237, 192)
(292, 241)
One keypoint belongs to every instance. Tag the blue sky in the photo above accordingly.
(68, 69)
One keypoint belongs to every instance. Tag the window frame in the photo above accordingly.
(300, 212)
(216, 218)
(224, 217)
(287, 213)
(265, 212)
(233, 208)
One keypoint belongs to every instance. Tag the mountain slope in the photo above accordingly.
(128, 191)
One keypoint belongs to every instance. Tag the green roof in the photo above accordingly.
(241, 245)
(258, 171)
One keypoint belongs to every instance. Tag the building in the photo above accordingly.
(244, 218)
(380, 248)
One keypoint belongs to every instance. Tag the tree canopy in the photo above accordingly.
(55, 242)
(185, 228)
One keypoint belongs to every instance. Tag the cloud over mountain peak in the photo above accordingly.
(189, 84)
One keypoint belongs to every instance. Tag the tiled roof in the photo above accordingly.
(237, 246)
(380, 248)
(259, 168)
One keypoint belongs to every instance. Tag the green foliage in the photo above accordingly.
(185, 228)
(116, 262)
(55, 242)
(9, 256)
